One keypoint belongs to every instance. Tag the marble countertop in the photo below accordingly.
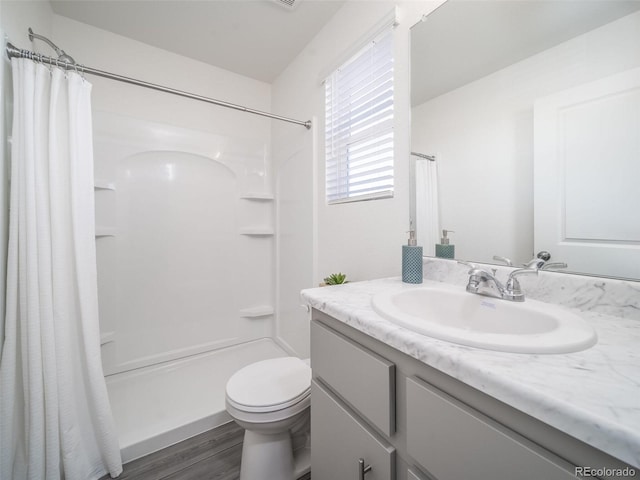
(593, 395)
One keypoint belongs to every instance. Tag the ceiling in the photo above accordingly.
(255, 38)
(462, 41)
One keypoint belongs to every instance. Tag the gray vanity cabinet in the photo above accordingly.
(353, 397)
(349, 441)
(408, 421)
(454, 441)
(364, 379)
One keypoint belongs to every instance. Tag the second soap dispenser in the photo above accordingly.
(444, 249)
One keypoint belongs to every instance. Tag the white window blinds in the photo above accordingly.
(359, 124)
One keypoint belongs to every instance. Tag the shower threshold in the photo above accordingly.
(160, 405)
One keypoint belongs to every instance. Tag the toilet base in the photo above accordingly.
(301, 462)
(267, 456)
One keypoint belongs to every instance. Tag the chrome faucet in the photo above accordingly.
(541, 262)
(480, 282)
(541, 259)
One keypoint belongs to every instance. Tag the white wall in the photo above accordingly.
(18, 16)
(483, 136)
(15, 18)
(361, 239)
(106, 51)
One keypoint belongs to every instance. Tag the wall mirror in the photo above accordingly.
(532, 112)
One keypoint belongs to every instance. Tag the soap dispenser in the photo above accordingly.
(444, 249)
(412, 260)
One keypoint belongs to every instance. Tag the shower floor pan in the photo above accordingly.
(163, 404)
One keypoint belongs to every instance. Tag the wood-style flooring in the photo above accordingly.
(213, 455)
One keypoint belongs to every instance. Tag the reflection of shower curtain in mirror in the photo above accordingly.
(427, 206)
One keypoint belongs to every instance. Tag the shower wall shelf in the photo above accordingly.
(107, 337)
(257, 231)
(258, 196)
(99, 184)
(258, 311)
(105, 232)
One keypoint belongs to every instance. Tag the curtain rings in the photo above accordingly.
(42, 62)
(38, 57)
(82, 73)
(78, 69)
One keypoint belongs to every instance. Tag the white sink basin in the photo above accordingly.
(452, 314)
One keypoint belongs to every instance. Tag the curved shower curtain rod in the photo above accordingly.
(66, 62)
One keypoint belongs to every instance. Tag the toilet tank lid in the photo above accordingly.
(270, 382)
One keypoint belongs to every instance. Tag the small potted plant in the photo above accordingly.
(335, 279)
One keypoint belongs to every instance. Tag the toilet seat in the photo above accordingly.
(270, 385)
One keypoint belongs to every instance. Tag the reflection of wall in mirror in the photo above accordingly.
(483, 133)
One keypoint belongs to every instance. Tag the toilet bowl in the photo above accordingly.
(269, 399)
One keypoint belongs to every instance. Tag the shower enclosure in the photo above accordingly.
(185, 245)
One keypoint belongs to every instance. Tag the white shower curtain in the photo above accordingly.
(55, 418)
(427, 206)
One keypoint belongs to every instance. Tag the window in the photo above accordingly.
(359, 124)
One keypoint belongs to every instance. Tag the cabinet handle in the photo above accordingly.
(362, 469)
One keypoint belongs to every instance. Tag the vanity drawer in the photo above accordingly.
(469, 445)
(362, 378)
(339, 440)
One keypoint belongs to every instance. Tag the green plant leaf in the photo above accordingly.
(336, 279)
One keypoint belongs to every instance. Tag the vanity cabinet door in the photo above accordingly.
(364, 379)
(339, 440)
(453, 441)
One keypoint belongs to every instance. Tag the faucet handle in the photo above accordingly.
(535, 264)
(468, 264)
(472, 266)
(549, 266)
(522, 271)
(513, 288)
(512, 281)
(503, 259)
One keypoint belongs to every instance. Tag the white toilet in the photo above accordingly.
(269, 399)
